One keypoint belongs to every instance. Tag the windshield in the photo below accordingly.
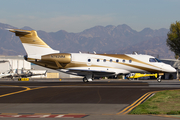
(154, 60)
(157, 60)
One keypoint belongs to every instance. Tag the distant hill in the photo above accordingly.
(109, 39)
(155, 46)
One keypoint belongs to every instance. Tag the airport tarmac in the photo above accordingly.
(71, 98)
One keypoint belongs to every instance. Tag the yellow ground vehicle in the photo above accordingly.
(23, 79)
(138, 75)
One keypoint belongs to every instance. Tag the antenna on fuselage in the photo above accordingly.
(135, 53)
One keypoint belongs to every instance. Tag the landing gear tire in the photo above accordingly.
(85, 80)
(159, 79)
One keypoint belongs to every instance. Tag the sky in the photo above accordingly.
(78, 15)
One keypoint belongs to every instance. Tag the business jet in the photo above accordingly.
(87, 65)
(8, 74)
(26, 73)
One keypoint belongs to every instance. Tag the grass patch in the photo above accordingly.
(173, 113)
(163, 102)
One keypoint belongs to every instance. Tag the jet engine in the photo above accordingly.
(64, 58)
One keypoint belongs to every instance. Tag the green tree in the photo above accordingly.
(173, 40)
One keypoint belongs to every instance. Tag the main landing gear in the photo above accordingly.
(88, 78)
(85, 80)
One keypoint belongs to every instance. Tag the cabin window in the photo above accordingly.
(117, 61)
(123, 61)
(104, 60)
(130, 61)
(110, 60)
(98, 60)
(89, 60)
(152, 60)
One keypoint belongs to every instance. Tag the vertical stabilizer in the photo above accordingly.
(35, 47)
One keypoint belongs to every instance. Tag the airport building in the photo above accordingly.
(13, 63)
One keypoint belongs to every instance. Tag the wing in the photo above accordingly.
(97, 71)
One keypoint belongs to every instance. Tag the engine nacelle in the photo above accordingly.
(59, 57)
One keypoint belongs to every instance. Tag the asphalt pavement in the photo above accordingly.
(100, 99)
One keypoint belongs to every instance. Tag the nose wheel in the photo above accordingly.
(159, 79)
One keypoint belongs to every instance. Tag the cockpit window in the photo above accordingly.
(152, 60)
(157, 60)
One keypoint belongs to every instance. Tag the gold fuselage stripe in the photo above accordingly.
(125, 57)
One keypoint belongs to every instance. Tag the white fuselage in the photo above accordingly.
(117, 64)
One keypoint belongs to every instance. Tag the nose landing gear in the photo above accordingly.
(159, 79)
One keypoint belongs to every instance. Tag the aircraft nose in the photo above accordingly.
(170, 69)
(173, 69)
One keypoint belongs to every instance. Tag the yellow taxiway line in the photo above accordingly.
(26, 89)
(136, 103)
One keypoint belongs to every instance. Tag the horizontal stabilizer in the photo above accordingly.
(20, 32)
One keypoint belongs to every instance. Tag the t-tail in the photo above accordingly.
(35, 47)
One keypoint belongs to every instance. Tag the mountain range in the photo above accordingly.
(109, 39)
